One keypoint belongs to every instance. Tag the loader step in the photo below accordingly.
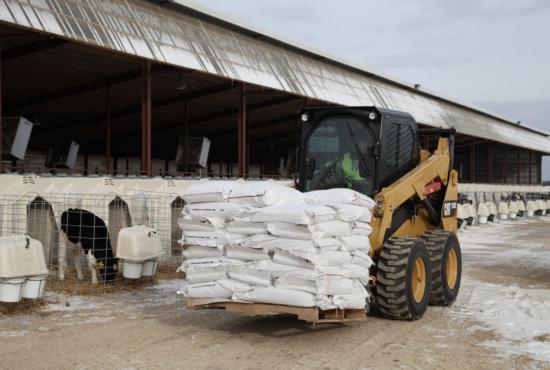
(308, 314)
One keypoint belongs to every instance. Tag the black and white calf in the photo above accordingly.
(86, 234)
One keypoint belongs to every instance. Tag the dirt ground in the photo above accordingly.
(506, 275)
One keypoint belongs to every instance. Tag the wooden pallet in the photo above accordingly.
(309, 314)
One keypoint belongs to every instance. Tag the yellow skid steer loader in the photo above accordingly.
(377, 152)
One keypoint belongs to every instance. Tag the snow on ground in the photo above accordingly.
(518, 313)
(74, 310)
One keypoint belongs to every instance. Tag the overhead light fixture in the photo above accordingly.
(182, 85)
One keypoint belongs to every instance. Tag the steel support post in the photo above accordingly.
(472, 161)
(242, 140)
(490, 163)
(506, 165)
(519, 166)
(108, 130)
(1, 126)
(539, 169)
(185, 135)
(146, 160)
(530, 164)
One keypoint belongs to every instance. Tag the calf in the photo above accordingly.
(88, 234)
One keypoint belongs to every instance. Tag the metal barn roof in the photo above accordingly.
(187, 37)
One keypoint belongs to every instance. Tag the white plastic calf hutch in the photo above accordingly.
(23, 270)
(139, 248)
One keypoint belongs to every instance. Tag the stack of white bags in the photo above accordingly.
(267, 243)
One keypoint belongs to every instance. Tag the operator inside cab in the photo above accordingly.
(350, 168)
(338, 157)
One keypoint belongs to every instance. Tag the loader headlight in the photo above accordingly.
(372, 116)
(304, 117)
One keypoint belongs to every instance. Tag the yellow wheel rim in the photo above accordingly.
(451, 268)
(418, 278)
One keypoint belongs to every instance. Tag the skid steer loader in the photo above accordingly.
(377, 152)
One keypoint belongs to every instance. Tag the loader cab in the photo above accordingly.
(362, 148)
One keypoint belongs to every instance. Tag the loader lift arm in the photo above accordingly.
(434, 168)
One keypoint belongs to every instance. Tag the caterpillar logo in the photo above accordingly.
(100, 265)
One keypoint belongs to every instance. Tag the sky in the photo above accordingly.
(494, 54)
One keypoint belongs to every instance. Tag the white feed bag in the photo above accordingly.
(306, 246)
(351, 212)
(330, 229)
(329, 248)
(195, 251)
(332, 285)
(541, 205)
(332, 258)
(531, 206)
(217, 238)
(361, 228)
(513, 207)
(324, 302)
(290, 231)
(521, 205)
(272, 295)
(211, 289)
(296, 283)
(209, 191)
(301, 248)
(235, 286)
(350, 271)
(357, 299)
(200, 274)
(265, 193)
(209, 262)
(336, 196)
(350, 301)
(246, 227)
(360, 257)
(299, 273)
(321, 231)
(354, 242)
(299, 214)
(257, 241)
(281, 270)
(246, 254)
(290, 259)
(191, 223)
(249, 276)
(327, 242)
(226, 211)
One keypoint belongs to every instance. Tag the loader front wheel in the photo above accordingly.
(403, 279)
(446, 266)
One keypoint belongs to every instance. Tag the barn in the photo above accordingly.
(120, 87)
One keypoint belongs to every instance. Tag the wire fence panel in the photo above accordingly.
(79, 232)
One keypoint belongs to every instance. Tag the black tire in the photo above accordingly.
(441, 245)
(394, 286)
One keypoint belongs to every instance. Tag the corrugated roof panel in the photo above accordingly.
(166, 35)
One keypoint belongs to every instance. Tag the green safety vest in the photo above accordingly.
(349, 172)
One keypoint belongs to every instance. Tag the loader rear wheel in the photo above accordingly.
(403, 279)
(446, 266)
